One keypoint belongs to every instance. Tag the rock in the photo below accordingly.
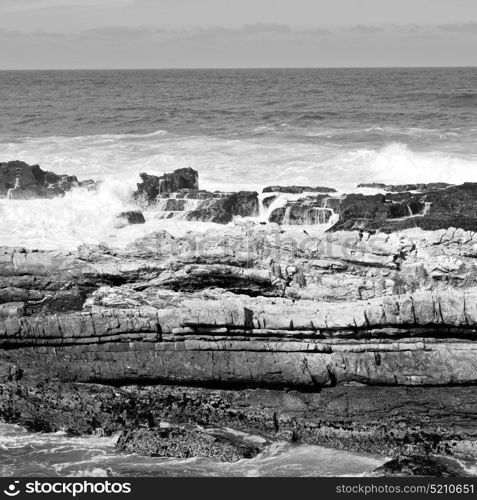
(414, 465)
(434, 208)
(268, 201)
(210, 337)
(313, 210)
(12, 309)
(132, 217)
(153, 186)
(359, 339)
(185, 442)
(405, 187)
(298, 189)
(223, 209)
(18, 180)
(178, 194)
(381, 420)
(429, 206)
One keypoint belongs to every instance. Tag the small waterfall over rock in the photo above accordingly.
(298, 209)
(176, 208)
(275, 201)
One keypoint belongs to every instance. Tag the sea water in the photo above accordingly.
(241, 129)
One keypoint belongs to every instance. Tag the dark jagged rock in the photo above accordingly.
(453, 206)
(223, 209)
(132, 217)
(268, 201)
(436, 206)
(382, 420)
(178, 194)
(414, 465)
(404, 187)
(298, 189)
(185, 441)
(18, 180)
(153, 186)
(312, 210)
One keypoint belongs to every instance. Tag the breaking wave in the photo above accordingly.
(223, 164)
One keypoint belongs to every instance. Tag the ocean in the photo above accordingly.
(27, 454)
(241, 129)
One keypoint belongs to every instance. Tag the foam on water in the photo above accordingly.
(225, 164)
(28, 454)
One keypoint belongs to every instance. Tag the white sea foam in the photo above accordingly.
(225, 164)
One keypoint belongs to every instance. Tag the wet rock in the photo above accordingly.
(225, 207)
(178, 195)
(185, 442)
(405, 187)
(298, 189)
(268, 201)
(427, 206)
(18, 180)
(382, 420)
(153, 186)
(132, 217)
(307, 211)
(414, 465)
(433, 208)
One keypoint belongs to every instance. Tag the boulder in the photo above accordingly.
(18, 180)
(414, 465)
(178, 195)
(311, 210)
(153, 186)
(431, 209)
(225, 207)
(132, 217)
(186, 442)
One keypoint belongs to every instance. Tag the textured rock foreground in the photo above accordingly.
(354, 339)
(392, 310)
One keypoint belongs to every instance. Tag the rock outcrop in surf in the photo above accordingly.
(18, 180)
(428, 206)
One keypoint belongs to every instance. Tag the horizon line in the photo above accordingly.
(216, 68)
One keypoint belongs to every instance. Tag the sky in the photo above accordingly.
(74, 34)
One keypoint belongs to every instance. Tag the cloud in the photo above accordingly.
(14, 6)
(409, 28)
(266, 28)
(365, 29)
(459, 28)
(251, 45)
(109, 33)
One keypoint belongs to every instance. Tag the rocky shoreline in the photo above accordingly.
(359, 336)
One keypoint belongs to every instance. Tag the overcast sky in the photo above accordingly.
(61, 34)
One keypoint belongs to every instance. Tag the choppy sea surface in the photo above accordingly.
(27, 454)
(241, 129)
